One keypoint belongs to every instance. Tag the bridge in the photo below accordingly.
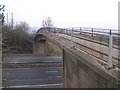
(90, 55)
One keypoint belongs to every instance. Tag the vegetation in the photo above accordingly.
(2, 14)
(16, 40)
(53, 49)
(47, 22)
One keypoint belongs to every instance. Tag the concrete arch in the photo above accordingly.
(39, 46)
(42, 45)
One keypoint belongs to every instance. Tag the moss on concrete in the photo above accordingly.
(52, 49)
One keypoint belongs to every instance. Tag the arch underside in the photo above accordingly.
(43, 46)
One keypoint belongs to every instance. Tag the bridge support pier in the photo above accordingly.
(43, 47)
(39, 47)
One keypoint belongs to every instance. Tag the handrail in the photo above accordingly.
(88, 30)
(85, 30)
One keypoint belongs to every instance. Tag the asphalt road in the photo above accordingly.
(41, 77)
(33, 59)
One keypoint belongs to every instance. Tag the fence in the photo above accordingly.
(91, 32)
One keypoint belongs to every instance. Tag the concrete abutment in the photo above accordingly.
(79, 75)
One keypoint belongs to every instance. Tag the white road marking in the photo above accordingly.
(36, 85)
(7, 73)
(55, 76)
(59, 76)
(47, 61)
(5, 79)
(49, 77)
(51, 71)
(14, 62)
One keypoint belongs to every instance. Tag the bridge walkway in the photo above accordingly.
(92, 47)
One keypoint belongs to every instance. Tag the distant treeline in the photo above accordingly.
(16, 40)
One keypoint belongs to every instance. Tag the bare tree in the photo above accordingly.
(22, 26)
(1, 13)
(47, 22)
(2, 7)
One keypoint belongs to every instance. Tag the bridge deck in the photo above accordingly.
(85, 60)
(94, 48)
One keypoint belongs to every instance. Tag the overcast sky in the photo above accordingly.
(65, 13)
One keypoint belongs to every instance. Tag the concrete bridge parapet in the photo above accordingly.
(80, 70)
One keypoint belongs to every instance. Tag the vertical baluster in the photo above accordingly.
(72, 38)
(110, 65)
(80, 30)
(92, 32)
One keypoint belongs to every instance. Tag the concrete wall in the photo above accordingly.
(52, 49)
(79, 75)
(42, 46)
(80, 69)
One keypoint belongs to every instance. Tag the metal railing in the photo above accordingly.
(91, 32)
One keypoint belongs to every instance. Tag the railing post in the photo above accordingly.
(63, 31)
(51, 31)
(110, 65)
(80, 30)
(58, 33)
(72, 38)
(92, 32)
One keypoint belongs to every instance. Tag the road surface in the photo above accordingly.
(33, 59)
(41, 77)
